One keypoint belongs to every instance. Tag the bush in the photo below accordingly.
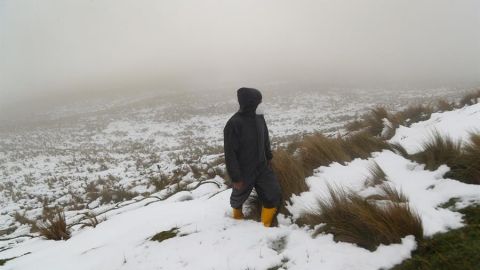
(354, 219)
(55, 227)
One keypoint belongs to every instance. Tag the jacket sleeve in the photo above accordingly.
(231, 145)
(268, 149)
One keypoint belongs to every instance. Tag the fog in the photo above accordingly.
(50, 47)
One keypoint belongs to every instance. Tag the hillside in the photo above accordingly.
(190, 227)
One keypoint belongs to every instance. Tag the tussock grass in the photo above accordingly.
(362, 144)
(355, 125)
(438, 150)
(55, 227)
(354, 219)
(318, 150)
(462, 159)
(388, 192)
(415, 113)
(374, 120)
(467, 167)
(377, 175)
(290, 174)
(470, 98)
(444, 105)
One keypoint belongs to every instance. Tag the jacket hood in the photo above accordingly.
(248, 99)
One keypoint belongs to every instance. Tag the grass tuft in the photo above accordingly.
(55, 227)
(164, 235)
(290, 174)
(377, 175)
(362, 144)
(438, 150)
(470, 98)
(354, 219)
(318, 150)
(416, 113)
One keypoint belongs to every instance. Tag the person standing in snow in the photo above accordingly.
(248, 156)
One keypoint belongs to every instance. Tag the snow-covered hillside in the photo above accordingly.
(208, 238)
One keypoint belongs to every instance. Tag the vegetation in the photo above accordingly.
(463, 160)
(290, 174)
(164, 235)
(454, 250)
(438, 150)
(354, 219)
(55, 227)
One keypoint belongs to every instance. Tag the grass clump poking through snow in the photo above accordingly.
(164, 235)
(318, 150)
(362, 144)
(290, 174)
(55, 227)
(455, 250)
(377, 176)
(415, 113)
(470, 98)
(464, 162)
(468, 168)
(367, 223)
(438, 150)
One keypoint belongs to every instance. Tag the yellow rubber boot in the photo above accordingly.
(237, 213)
(267, 216)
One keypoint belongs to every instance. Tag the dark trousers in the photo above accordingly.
(266, 185)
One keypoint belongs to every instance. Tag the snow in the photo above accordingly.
(212, 240)
(457, 125)
(209, 238)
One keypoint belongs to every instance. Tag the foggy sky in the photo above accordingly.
(110, 45)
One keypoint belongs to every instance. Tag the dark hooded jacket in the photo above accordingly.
(246, 138)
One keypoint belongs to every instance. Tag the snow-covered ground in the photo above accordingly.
(207, 237)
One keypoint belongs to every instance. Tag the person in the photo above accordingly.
(248, 157)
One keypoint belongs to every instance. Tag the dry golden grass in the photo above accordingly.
(443, 105)
(467, 167)
(438, 150)
(355, 125)
(391, 194)
(415, 113)
(362, 144)
(289, 172)
(374, 120)
(351, 218)
(377, 176)
(318, 150)
(470, 98)
(55, 227)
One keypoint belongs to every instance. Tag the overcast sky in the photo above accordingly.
(93, 45)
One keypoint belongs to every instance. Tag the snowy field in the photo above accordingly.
(111, 161)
